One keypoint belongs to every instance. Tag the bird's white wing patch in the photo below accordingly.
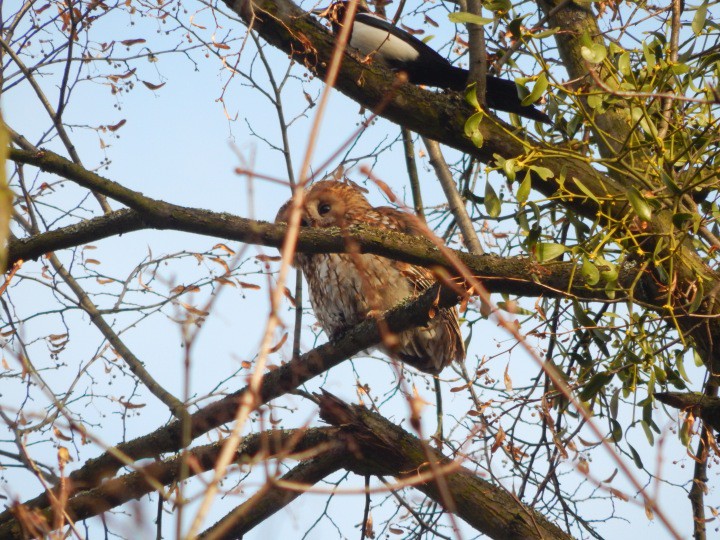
(370, 40)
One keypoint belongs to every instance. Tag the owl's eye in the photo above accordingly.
(323, 209)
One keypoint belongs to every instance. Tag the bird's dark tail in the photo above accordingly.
(500, 94)
(457, 78)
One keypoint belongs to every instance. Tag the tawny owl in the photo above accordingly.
(345, 289)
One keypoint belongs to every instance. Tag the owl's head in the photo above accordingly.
(329, 203)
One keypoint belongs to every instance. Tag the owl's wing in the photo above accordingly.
(399, 221)
(405, 223)
(445, 321)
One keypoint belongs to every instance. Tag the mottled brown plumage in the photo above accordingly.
(345, 289)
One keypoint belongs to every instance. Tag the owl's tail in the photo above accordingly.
(433, 347)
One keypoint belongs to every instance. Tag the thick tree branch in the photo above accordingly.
(511, 275)
(611, 126)
(113, 224)
(386, 449)
(705, 407)
(687, 264)
(371, 445)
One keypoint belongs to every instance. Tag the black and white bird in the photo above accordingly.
(401, 51)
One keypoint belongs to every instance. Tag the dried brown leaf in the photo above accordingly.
(129, 405)
(507, 379)
(268, 258)
(131, 42)
(369, 532)
(619, 494)
(560, 447)
(152, 86)
(194, 310)
(413, 31)
(224, 248)
(588, 443)
(649, 512)
(117, 126)
(289, 296)
(221, 262)
(277, 347)
(611, 477)
(245, 285)
(63, 456)
(60, 435)
(499, 439)
(386, 190)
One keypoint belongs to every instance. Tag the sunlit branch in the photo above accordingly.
(512, 275)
